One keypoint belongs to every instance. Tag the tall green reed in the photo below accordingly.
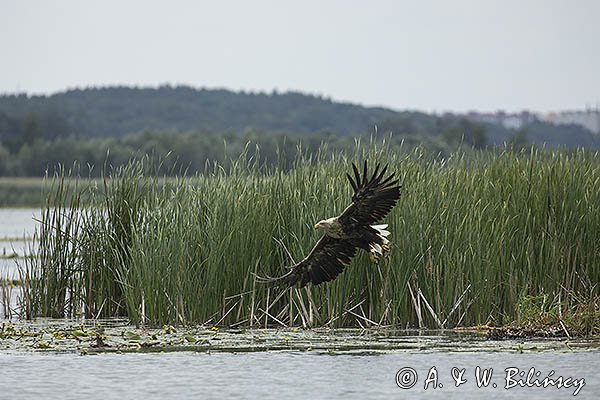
(472, 235)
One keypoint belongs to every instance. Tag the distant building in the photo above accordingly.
(589, 119)
(509, 121)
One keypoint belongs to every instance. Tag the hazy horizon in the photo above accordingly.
(432, 56)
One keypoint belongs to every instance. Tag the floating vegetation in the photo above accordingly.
(9, 255)
(472, 237)
(92, 338)
(10, 282)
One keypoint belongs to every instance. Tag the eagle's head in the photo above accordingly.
(325, 224)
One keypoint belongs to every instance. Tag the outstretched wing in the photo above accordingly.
(373, 197)
(324, 263)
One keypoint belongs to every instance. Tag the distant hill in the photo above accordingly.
(118, 111)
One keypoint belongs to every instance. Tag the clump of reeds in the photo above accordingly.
(472, 235)
(576, 315)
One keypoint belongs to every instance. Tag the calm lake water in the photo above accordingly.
(288, 374)
(277, 374)
(16, 224)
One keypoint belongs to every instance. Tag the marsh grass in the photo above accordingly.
(19, 192)
(548, 313)
(32, 192)
(472, 235)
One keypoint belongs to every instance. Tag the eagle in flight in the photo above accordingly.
(372, 200)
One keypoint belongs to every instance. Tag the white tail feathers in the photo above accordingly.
(381, 229)
(381, 249)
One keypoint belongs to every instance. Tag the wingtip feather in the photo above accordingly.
(352, 183)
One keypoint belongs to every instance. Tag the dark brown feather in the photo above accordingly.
(325, 262)
(373, 198)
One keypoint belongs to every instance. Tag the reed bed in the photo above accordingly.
(30, 192)
(473, 235)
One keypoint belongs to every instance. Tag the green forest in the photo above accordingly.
(190, 127)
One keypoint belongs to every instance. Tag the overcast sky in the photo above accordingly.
(428, 55)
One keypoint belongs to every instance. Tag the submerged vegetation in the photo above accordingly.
(473, 236)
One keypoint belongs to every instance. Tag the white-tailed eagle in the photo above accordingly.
(372, 200)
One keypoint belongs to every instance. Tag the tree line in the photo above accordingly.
(188, 153)
(108, 126)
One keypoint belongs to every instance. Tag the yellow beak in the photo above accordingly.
(316, 226)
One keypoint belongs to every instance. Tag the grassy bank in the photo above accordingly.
(21, 192)
(472, 238)
(32, 192)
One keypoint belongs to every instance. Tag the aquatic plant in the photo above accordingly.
(472, 235)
